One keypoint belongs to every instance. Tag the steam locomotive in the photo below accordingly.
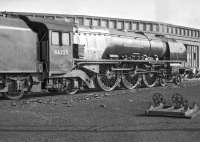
(42, 54)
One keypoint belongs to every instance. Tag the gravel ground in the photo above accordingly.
(97, 117)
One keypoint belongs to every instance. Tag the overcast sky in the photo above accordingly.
(179, 12)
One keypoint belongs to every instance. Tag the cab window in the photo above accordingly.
(60, 38)
(55, 38)
(65, 39)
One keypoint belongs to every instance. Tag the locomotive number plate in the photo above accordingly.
(61, 52)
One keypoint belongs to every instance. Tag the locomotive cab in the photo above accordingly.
(60, 51)
(54, 45)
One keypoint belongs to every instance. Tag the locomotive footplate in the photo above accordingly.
(179, 107)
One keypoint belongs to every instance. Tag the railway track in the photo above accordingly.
(90, 129)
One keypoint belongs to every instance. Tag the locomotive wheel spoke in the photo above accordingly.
(107, 79)
(150, 79)
(162, 82)
(177, 80)
(130, 79)
(72, 91)
(71, 88)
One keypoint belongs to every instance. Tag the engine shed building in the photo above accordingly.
(190, 37)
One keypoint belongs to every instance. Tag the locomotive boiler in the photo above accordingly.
(133, 52)
(100, 43)
(43, 54)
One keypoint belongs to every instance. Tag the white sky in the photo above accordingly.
(179, 12)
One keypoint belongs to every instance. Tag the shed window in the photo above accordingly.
(65, 39)
(55, 38)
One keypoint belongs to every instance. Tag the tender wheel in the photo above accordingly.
(107, 79)
(150, 79)
(130, 80)
(15, 91)
(162, 82)
(71, 86)
(29, 83)
(14, 95)
(177, 80)
(73, 91)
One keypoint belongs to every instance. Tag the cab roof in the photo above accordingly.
(57, 25)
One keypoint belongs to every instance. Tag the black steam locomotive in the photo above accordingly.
(41, 54)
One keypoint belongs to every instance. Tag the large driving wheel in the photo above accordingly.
(130, 79)
(107, 79)
(150, 79)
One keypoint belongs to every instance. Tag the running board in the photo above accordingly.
(132, 69)
(122, 69)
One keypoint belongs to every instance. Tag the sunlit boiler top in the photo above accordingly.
(99, 43)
